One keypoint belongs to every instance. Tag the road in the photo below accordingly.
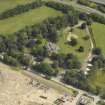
(80, 7)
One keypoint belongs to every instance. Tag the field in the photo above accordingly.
(19, 89)
(97, 80)
(8, 4)
(99, 35)
(66, 48)
(13, 24)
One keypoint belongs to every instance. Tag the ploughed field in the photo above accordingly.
(34, 16)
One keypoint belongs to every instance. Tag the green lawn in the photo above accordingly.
(66, 48)
(8, 4)
(13, 24)
(99, 35)
(97, 79)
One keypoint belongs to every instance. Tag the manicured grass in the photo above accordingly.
(8, 4)
(13, 24)
(66, 48)
(97, 79)
(99, 35)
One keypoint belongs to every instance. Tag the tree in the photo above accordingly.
(101, 102)
(22, 38)
(72, 18)
(83, 25)
(20, 9)
(83, 16)
(75, 77)
(26, 60)
(31, 43)
(71, 62)
(81, 49)
(39, 52)
(96, 51)
(103, 95)
(10, 60)
(73, 41)
(60, 58)
(59, 6)
(101, 8)
(89, 21)
(46, 69)
(2, 44)
(55, 64)
(53, 36)
(98, 62)
(97, 18)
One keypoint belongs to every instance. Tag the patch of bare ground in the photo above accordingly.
(17, 89)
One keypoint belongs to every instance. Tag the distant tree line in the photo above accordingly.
(87, 3)
(95, 17)
(101, 8)
(82, 15)
(59, 6)
(20, 9)
(23, 8)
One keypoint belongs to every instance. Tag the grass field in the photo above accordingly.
(8, 4)
(13, 24)
(98, 80)
(66, 48)
(99, 35)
